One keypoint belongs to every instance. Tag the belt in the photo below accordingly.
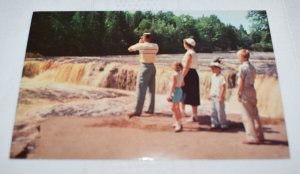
(147, 63)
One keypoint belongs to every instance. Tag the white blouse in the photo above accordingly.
(194, 62)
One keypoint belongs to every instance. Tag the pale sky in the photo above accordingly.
(235, 18)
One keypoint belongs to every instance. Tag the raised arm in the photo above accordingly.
(132, 48)
(136, 46)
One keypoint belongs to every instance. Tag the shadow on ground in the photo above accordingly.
(275, 142)
(162, 122)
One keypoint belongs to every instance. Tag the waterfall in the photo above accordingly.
(123, 76)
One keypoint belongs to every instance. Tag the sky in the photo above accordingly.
(235, 18)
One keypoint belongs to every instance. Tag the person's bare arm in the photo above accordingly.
(231, 66)
(187, 65)
(132, 48)
(240, 88)
(209, 87)
(174, 81)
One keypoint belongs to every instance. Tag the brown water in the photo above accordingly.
(74, 85)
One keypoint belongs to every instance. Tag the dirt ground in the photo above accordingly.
(152, 137)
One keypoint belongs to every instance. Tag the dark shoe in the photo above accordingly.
(149, 112)
(133, 114)
(261, 141)
(251, 142)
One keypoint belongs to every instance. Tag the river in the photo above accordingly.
(96, 86)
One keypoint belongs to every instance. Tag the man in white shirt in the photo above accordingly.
(147, 71)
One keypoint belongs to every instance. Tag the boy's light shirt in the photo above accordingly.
(217, 81)
(247, 72)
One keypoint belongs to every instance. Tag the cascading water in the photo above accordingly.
(122, 75)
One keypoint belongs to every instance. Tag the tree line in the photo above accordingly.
(112, 32)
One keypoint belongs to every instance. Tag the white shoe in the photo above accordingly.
(213, 126)
(191, 119)
(178, 128)
(224, 126)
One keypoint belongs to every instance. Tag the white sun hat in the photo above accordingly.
(215, 64)
(190, 41)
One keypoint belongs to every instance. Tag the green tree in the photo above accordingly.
(186, 26)
(211, 31)
(259, 19)
(229, 40)
(244, 40)
(49, 33)
(117, 30)
(106, 33)
(166, 36)
(261, 37)
(86, 31)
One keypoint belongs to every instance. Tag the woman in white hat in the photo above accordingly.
(191, 91)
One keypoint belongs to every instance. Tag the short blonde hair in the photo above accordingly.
(177, 66)
(244, 53)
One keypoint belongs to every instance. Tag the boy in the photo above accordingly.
(217, 96)
(247, 97)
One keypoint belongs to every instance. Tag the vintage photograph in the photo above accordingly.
(150, 85)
